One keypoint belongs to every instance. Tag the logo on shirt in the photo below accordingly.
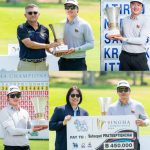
(138, 26)
(76, 30)
(132, 111)
(42, 34)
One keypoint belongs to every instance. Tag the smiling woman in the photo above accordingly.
(63, 114)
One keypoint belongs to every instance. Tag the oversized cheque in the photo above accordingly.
(102, 132)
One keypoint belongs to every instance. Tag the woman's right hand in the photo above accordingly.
(66, 119)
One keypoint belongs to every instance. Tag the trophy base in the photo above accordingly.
(113, 32)
(41, 122)
(104, 113)
(60, 49)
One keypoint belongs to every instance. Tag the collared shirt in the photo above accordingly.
(15, 124)
(78, 34)
(41, 35)
(131, 108)
(135, 32)
(75, 111)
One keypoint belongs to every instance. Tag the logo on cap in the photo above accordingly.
(13, 88)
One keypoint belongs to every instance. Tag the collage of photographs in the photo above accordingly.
(74, 74)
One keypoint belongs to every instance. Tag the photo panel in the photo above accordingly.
(83, 37)
(32, 107)
(102, 120)
(134, 39)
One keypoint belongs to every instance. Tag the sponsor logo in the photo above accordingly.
(81, 125)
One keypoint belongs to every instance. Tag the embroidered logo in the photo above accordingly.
(76, 30)
(138, 26)
(133, 111)
(42, 34)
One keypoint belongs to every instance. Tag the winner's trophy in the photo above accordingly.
(39, 104)
(104, 104)
(113, 15)
(58, 33)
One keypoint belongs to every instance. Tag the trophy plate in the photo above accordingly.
(59, 49)
(113, 32)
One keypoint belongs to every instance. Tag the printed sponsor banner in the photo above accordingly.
(10, 62)
(110, 49)
(102, 132)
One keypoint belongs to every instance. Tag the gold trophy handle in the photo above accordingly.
(51, 27)
(61, 41)
(104, 113)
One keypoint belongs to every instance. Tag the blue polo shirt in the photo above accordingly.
(41, 35)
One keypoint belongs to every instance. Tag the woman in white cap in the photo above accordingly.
(134, 35)
(15, 122)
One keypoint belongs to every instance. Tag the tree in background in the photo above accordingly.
(88, 77)
(60, 1)
(32, 1)
(11, 1)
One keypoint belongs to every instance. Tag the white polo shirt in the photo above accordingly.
(135, 32)
(16, 125)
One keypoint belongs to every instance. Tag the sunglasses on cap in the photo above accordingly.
(72, 7)
(17, 95)
(32, 12)
(75, 95)
(120, 90)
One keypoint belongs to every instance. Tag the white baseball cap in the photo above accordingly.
(123, 83)
(75, 2)
(140, 1)
(13, 88)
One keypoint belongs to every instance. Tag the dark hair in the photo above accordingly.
(69, 92)
(31, 6)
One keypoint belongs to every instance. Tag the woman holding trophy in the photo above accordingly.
(63, 114)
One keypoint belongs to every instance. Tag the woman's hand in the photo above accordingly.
(66, 119)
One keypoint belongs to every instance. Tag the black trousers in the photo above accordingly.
(133, 62)
(16, 147)
(77, 64)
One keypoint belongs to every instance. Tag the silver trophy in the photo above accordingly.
(112, 14)
(39, 104)
(58, 33)
(104, 104)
